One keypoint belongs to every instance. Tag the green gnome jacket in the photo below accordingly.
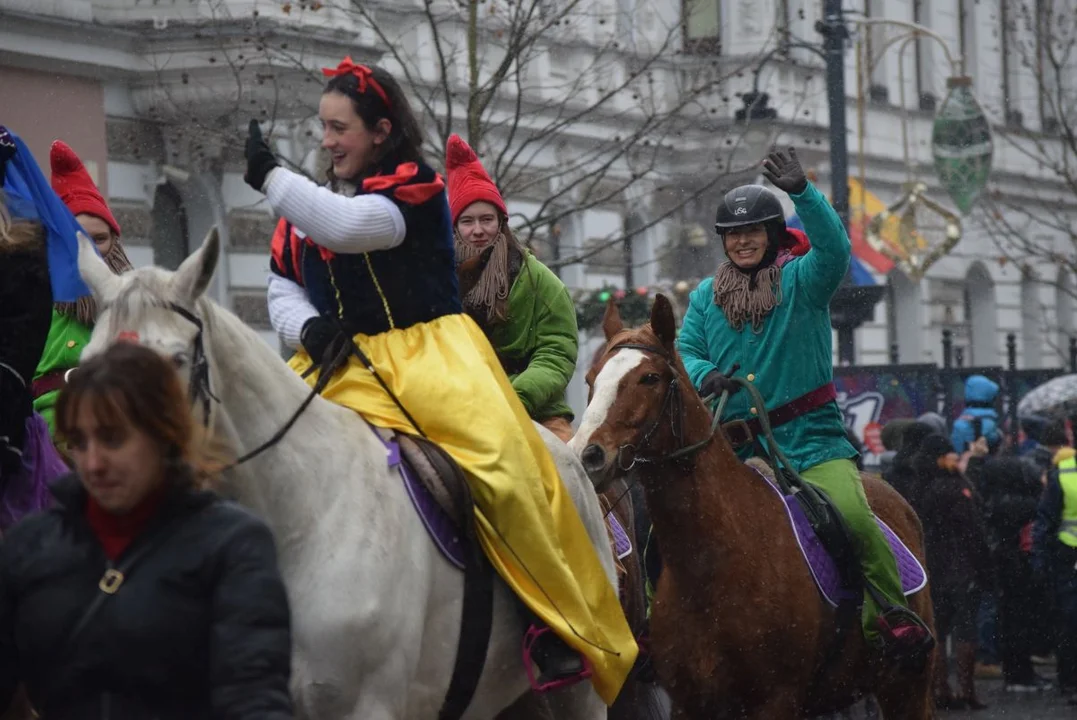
(538, 343)
(792, 353)
(67, 338)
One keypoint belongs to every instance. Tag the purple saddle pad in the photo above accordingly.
(823, 567)
(440, 525)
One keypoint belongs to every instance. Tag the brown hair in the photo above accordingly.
(405, 141)
(18, 233)
(129, 383)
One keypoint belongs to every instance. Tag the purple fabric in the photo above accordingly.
(438, 523)
(28, 491)
(622, 546)
(441, 527)
(822, 566)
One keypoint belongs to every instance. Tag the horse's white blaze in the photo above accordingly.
(606, 384)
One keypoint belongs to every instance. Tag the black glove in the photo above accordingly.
(317, 335)
(260, 159)
(783, 170)
(7, 151)
(715, 383)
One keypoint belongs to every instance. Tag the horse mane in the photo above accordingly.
(145, 290)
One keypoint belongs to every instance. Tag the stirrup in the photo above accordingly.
(534, 632)
(904, 638)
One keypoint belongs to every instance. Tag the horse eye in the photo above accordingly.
(650, 379)
(179, 360)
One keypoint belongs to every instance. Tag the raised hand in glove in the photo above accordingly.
(715, 383)
(318, 335)
(783, 170)
(260, 159)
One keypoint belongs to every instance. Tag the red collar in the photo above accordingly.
(116, 532)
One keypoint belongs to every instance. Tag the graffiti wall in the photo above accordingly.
(870, 397)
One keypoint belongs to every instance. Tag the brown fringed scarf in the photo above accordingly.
(488, 299)
(741, 299)
(85, 308)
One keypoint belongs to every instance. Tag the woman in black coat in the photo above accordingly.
(140, 595)
(901, 474)
(1011, 509)
(25, 314)
(958, 563)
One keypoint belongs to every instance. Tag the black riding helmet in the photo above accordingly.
(747, 205)
(753, 205)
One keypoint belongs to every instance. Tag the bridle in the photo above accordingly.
(335, 357)
(200, 393)
(628, 455)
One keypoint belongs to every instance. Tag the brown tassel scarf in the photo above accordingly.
(743, 296)
(488, 299)
(85, 308)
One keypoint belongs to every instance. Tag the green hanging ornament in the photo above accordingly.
(961, 144)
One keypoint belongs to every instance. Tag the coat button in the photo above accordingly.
(71, 343)
(751, 377)
(753, 411)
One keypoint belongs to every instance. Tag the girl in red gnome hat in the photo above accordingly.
(524, 309)
(368, 259)
(72, 322)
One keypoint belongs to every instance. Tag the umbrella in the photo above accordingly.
(1054, 397)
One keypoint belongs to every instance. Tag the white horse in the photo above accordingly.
(375, 607)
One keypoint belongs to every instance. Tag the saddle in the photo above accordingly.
(439, 474)
(440, 493)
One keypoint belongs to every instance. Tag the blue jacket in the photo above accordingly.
(792, 353)
(978, 390)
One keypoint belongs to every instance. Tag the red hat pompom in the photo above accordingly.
(72, 182)
(467, 179)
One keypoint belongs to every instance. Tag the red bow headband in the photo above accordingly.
(364, 74)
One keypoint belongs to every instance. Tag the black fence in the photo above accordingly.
(872, 395)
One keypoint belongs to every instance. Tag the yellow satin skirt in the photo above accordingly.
(447, 376)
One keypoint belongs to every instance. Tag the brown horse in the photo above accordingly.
(738, 627)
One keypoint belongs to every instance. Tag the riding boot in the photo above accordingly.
(559, 665)
(966, 670)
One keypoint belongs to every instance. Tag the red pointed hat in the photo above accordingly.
(72, 182)
(468, 181)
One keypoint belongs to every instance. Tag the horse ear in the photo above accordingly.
(611, 320)
(663, 323)
(103, 283)
(195, 273)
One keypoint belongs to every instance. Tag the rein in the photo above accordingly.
(335, 358)
(786, 476)
(673, 404)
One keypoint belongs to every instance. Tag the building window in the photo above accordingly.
(784, 25)
(925, 87)
(170, 240)
(875, 37)
(966, 36)
(1010, 66)
(702, 26)
(1046, 68)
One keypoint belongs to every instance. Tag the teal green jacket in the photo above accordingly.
(792, 353)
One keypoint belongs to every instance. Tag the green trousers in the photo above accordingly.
(840, 480)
